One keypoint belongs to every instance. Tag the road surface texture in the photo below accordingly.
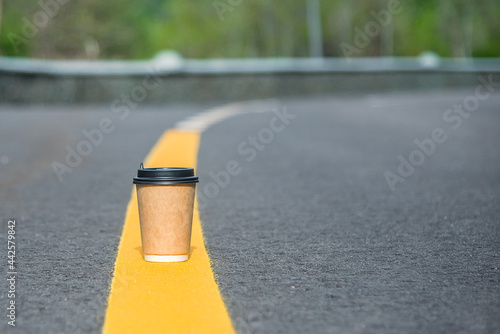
(307, 235)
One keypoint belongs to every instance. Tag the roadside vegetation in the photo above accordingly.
(119, 29)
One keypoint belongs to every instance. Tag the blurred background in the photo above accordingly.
(119, 29)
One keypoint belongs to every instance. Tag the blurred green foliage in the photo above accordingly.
(119, 29)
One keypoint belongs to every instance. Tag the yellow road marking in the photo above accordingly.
(165, 297)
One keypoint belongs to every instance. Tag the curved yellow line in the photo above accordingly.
(178, 297)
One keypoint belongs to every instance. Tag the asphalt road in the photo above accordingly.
(307, 237)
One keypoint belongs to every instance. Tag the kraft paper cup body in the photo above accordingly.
(166, 215)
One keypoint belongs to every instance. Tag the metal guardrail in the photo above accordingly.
(170, 78)
(171, 63)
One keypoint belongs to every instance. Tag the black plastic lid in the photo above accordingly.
(165, 175)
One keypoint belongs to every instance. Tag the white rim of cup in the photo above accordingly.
(165, 258)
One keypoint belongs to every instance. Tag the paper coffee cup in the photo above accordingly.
(166, 198)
